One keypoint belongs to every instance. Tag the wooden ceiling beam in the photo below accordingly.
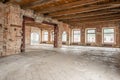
(97, 21)
(68, 6)
(93, 17)
(86, 9)
(93, 20)
(88, 14)
(37, 3)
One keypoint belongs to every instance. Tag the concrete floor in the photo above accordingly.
(43, 62)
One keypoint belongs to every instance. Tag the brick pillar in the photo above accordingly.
(68, 42)
(117, 35)
(70, 36)
(57, 36)
(1, 40)
(41, 35)
(49, 34)
(99, 36)
(82, 36)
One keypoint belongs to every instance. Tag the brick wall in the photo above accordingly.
(2, 19)
(12, 30)
(11, 17)
(99, 27)
(1, 39)
(27, 35)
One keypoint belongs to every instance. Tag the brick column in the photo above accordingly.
(49, 34)
(68, 39)
(99, 36)
(41, 35)
(118, 36)
(57, 36)
(82, 36)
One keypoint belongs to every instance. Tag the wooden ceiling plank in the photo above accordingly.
(68, 6)
(96, 16)
(89, 14)
(106, 18)
(97, 21)
(87, 9)
(36, 3)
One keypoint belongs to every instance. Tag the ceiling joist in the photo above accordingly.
(95, 19)
(37, 3)
(69, 6)
(88, 14)
(92, 17)
(86, 9)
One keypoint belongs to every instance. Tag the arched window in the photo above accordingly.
(34, 38)
(45, 36)
(52, 36)
(64, 36)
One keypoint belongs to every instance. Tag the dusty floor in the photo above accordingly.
(68, 63)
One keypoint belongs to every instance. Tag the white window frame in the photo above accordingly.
(52, 36)
(103, 35)
(86, 33)
(73, 35)
(66, 36)
(43, 35)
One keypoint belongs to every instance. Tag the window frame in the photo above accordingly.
(66, 36)
(43, 35)
(103, 35)
(52, 36)
(86, 34)
(73, 35)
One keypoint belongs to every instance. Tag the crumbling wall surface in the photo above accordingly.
(1, 40)
(1, 27)
(12, 30)
(11, 33)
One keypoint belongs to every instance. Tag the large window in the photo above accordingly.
(76, 35)
(52, 36)
(108, 35)
(45, 36)
(90, 35)
(34, 38)
(64, 36)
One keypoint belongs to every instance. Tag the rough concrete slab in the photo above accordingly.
(68, 63)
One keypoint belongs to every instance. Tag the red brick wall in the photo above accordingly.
(99, 27)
